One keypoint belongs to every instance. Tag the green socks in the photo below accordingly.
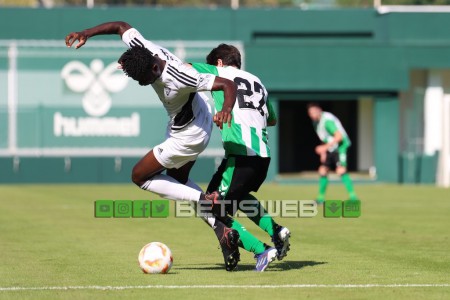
(323, 183)
(262, 218)
(248, 241)
(349, 186)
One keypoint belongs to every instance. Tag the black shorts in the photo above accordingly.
(239, 175)
(335, 159)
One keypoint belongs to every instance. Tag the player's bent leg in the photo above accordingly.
(345, 177)
(258, 214)
(280, 235)
(323, 183)
(323, 170)
(229, 240)
(146, 174)
(264, 254)
(181, 174)
(340, 170)
(146, 168)
(214, 184)
(247, 240)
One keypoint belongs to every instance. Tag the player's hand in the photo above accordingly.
(222, 117)
(81, 37)
(321, 149)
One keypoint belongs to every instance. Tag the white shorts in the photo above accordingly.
(184, 146)
(174, 153)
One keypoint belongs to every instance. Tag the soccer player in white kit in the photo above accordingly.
(190, 125)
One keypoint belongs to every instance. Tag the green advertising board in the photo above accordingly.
(71, 102)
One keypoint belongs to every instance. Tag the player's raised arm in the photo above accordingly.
(229, 90)
(118, 27)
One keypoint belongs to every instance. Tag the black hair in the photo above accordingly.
(137, 63)
(229, 55)
(313, 104)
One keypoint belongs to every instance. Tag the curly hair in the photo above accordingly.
(229, 55)
(137, 63)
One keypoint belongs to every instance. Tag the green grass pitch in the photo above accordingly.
(49, 238)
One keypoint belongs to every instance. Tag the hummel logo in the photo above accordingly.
(167, 91)
(160, 150)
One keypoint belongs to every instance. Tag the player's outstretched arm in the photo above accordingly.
(118, 27)
(229, 90)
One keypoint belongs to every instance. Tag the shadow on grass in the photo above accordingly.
(274, 266)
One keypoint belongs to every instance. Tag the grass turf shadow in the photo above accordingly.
(274, 266)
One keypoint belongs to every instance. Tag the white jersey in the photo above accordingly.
(177, 87)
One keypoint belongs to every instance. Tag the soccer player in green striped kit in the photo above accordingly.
(247, 154)
(333, 151)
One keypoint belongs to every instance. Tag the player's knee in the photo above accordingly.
(137, 177)
(323, 171)
(341, 170)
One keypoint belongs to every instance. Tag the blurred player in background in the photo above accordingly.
(190, 123)
(333, 151)
(247, 153)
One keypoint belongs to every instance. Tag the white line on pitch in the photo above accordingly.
(293, 286)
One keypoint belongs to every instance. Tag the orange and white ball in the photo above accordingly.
(155, 258)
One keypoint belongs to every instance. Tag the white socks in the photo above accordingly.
(193, 185)
(167, 187)
(208, 218)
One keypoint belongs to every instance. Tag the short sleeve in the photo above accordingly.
(188, 77)
(206, 82)
(272, 116)
(330, 127)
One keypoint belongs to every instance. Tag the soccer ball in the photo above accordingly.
(155, 258)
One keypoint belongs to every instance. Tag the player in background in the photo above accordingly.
(190, 121)
(247, 153)
(333, 151)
